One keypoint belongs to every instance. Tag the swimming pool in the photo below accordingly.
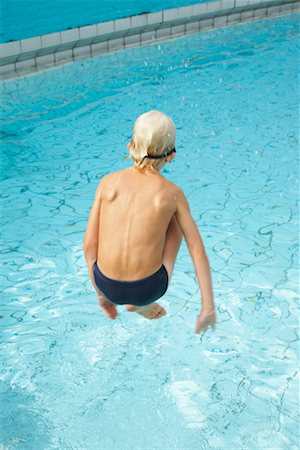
(73, 379)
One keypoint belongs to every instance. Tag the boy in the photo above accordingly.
(135, 229)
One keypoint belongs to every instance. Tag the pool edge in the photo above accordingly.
(40, 53)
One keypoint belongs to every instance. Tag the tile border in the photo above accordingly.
(26, 56)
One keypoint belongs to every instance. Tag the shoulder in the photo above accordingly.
(177, 196)
(171, 193)
(108, 182)
(108, 177)
(102, 181)
(173, 188)
(114, 175)
(101, 184)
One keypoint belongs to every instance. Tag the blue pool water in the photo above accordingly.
(71, 377)
(22, 19)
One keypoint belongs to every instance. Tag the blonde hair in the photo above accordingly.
(153, 134)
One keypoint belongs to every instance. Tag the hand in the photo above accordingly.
(204, 320)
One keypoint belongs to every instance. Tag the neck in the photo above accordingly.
(145, 171)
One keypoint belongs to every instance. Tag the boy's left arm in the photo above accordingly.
(90, 243)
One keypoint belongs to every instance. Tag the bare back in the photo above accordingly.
(135, 212)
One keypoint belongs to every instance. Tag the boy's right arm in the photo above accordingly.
(197, 251)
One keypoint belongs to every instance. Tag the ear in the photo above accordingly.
(170, 157)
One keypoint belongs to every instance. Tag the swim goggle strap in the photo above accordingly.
(163, 155)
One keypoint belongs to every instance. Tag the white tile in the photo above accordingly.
(28, 45)
(178, 29)
(10, 48)
(7, 68)
(185, 11)
(170, 14)
(155, 17)
(84, 50)
(105, 27)
(273, 10)
(286, 8)
(233, 18)
(148, 36)
(247, 15)
(45, 59)
(261, 12)
(10, 75)
(88, 31)
(138, 21)
(239, 3)
(296, 7)
(51, 39)
(132, 40)
(69, 35)
(23, 72)
(26, 64)
(227, 4)
(163, 32)
(99, 47)
(65, 55)
(220, 21)
(115, 44)
(207, 23)
(192, 26)
(213, 6)
(199, 8)
(122, 24)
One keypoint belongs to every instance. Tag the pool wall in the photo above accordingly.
(26, 56)
(23, 19)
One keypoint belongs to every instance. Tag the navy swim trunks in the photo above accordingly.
(138, 293)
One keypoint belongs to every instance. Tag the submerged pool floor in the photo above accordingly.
(71, 377)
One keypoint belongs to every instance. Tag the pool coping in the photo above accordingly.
(27, 56)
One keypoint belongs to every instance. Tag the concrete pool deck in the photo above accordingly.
(39, 53)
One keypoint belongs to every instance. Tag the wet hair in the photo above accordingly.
(154, 133)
